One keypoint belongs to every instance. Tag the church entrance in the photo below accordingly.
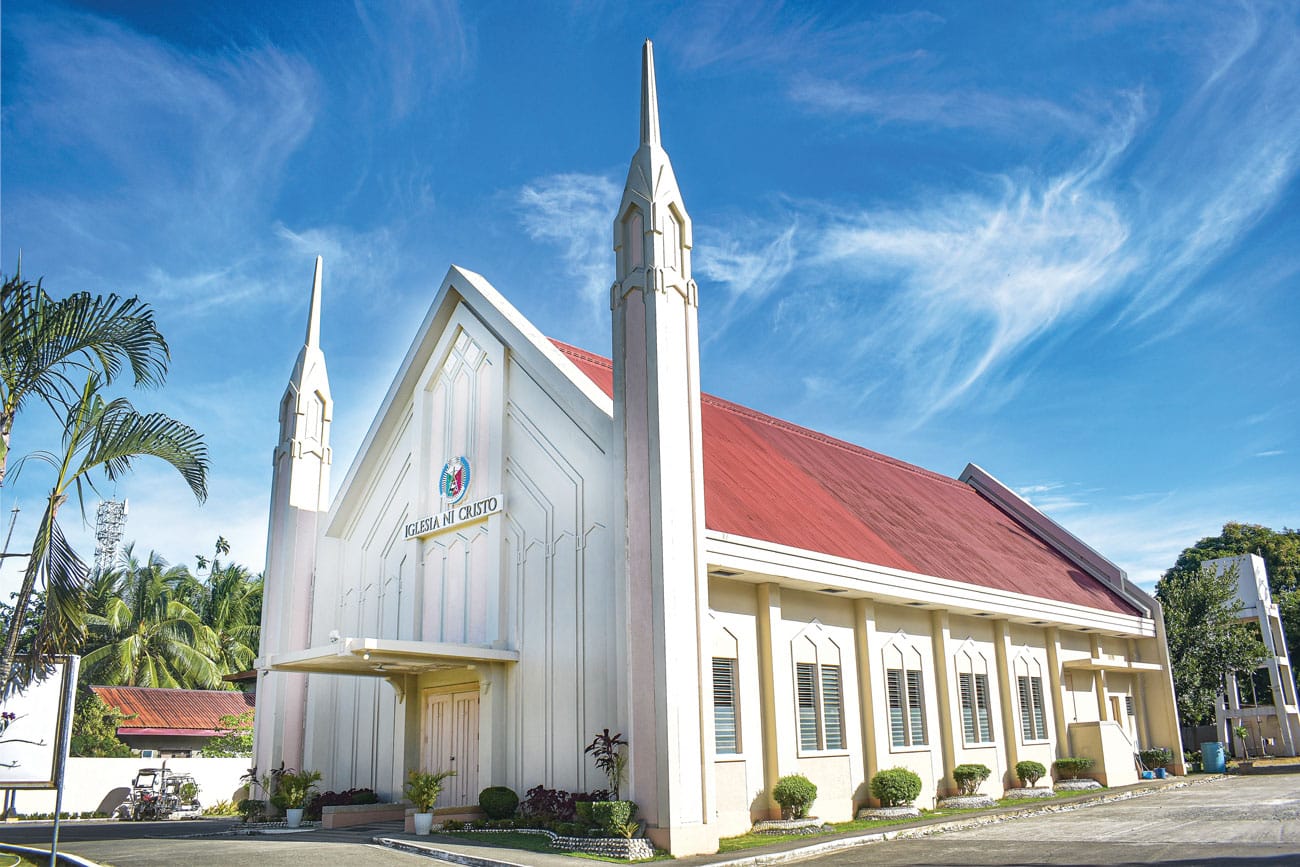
(449, 741)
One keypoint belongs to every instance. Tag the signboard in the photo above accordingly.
(31, 733)
(455, 517)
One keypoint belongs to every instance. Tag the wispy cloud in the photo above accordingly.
(1271, 453)
(419, 48)
(939, 298)
(574, 212)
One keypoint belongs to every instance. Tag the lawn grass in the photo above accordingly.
(752, 840)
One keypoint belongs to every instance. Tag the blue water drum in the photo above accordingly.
(1212, 760)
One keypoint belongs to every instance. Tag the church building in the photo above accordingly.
(535, 543)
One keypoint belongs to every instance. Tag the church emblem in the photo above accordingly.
(454, 482)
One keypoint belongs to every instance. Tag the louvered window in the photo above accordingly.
(1128, 704)
(1033, 719)
(975, 720)
(725, 731)
(832, 707)
(821, 706)
(906, 699)
(809, 736)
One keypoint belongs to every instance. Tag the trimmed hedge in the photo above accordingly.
(499, 802)
(969, 777)
(795, 793)
(896, 787)
(1030, 772)
(613, 817)
(1071, 766)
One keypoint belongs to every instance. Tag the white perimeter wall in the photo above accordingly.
(102, 784)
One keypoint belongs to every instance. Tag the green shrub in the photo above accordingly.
(795, 793)
(453, 825)
(423, 788)
(251, 809)
(1071, 766)
(896, 787)
(969, 777)
(499, 802)
(613, 817)
(1157, 757)
(1030, 772)
(582, 809)
(294, 789)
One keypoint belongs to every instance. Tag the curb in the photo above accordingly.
(75, 860)
(443, 854)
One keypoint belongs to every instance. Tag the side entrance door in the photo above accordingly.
(450, 743)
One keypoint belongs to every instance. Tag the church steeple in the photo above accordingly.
(652, 230)
(657, 444)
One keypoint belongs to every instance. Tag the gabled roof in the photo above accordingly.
(767, 479)
(195, 712)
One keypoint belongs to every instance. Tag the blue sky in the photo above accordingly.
(1060, 242)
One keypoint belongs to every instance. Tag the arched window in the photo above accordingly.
(905, 693)
(819, 694)
(973, 692)
(1031, 704)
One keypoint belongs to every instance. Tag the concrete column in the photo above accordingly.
(1099, 684)
(769, 614)
(1052, 639)
(1006, 683)
(943, 690)
(864, 633)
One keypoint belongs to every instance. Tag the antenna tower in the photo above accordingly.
(109, 520)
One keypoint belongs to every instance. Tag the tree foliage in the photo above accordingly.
(237, 742)
(94, 728)
(99, 436)
(1281, 554)
(1206, 638)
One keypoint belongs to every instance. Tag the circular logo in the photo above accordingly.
(454, 483)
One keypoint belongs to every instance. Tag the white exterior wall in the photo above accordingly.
(536, 578)
(99, 785)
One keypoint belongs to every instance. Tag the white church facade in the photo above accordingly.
(535, 543)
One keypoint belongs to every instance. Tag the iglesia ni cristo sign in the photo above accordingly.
(453, 485)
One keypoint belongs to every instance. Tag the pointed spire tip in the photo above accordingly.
(649, 96)
(313, 317)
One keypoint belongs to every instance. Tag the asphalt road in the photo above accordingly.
(168, 844)
(1238, 822)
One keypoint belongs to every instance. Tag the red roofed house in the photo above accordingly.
(172, 722)
(535, 543)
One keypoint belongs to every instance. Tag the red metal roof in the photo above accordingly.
(765, 478)
(180, 711)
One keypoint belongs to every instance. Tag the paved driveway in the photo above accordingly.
(1237, 822)
(168, 844)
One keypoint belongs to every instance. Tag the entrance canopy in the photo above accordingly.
(386, 657)
(1105, 664)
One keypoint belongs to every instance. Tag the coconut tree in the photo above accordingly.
(143, 633)
(228, 601)
(47, 345)
(99, 436)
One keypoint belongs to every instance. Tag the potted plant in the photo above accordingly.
(293, 788)
(1157, 759)
(422, 790)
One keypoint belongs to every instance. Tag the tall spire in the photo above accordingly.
(313, 318)
(649, 96)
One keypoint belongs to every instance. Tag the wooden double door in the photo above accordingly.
(449, 741)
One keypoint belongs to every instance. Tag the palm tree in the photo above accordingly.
(98, 435)
(229, 602)
(146, 635)
(46, 344)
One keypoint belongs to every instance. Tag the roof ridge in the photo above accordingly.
(773, 421)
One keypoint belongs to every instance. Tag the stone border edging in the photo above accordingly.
(431, 851)
(626, 848)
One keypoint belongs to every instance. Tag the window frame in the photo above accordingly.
(733, 665)
(811, 698)
(974, 698)
(911, 708)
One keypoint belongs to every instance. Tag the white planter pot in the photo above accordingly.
(423, 823)
(293, 817)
